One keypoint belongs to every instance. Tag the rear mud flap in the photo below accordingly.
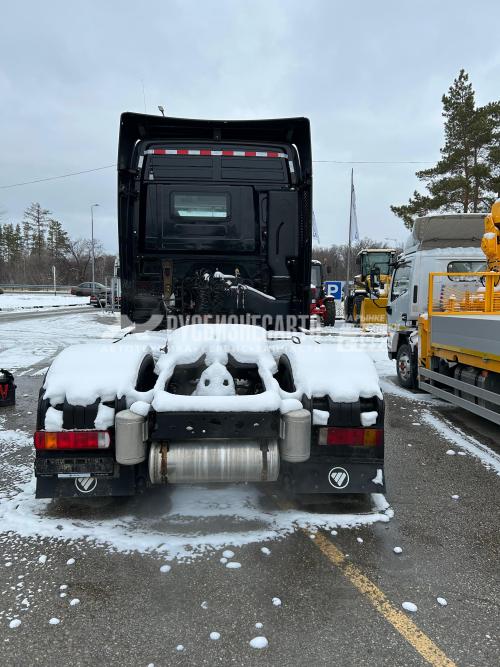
(334, 476)
(87, 487)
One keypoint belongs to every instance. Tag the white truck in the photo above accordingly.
(448, 243)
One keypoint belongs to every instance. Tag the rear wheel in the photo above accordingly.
(406, 367)
(330, 313)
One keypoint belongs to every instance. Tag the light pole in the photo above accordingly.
(92, 238)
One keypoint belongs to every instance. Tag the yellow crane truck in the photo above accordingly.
(459, 336)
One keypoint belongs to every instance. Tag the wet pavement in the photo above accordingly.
(339, 605)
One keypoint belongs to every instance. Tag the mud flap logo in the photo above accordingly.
(338, 478)
(85, 484)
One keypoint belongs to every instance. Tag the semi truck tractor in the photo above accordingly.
(214, 221)
(447, 243)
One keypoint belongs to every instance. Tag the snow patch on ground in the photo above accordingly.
(454, 435)
(26, 301)
(198, 520)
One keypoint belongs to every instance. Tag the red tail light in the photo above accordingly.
(72, 440)
(351, 437)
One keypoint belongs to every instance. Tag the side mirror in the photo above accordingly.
(388, 310)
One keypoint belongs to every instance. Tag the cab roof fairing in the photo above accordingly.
(141, 127)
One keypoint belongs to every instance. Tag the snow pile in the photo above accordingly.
(215, 342)
(81, 374)
(410, 606)
(105, 417)
(323, 370)
(369, 418)
(320, 417)
(259, 642)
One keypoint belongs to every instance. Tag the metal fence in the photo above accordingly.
(60, 289)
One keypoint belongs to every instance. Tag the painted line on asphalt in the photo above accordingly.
(398, 619)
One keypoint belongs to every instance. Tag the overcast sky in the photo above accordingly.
(369, 75)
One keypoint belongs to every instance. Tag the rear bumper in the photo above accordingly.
(334, 475)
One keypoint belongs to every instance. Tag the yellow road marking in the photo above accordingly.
(399, 621)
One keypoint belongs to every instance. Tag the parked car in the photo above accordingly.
(86, 289)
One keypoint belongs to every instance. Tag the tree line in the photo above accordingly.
(29, 250)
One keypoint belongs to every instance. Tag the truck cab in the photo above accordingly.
(439, 243)
(214, 217)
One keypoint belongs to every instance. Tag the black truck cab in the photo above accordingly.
(214, 216)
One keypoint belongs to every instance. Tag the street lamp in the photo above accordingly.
(92, 237)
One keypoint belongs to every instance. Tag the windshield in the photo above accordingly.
(316, 275)
(376, 261)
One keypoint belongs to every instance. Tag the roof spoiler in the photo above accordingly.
(138, 127)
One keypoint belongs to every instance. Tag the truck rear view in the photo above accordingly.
(215, 224)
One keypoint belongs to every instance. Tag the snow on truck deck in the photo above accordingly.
(81, 374)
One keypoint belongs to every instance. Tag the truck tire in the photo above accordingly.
(406, 367)
(330, 313)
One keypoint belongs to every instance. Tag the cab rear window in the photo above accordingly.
(192, 206)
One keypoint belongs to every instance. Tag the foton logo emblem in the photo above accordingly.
(338, 478)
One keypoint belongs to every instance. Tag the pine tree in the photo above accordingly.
(57, 240)
(34, 226)
(467, 177)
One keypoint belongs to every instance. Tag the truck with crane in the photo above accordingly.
(223, 383)
(440, 242)
(459, 335)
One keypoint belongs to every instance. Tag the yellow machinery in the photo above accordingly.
(367, 304)
(459, 337)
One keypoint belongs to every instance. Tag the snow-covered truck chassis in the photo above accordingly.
(217, 411)
(214, 221)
